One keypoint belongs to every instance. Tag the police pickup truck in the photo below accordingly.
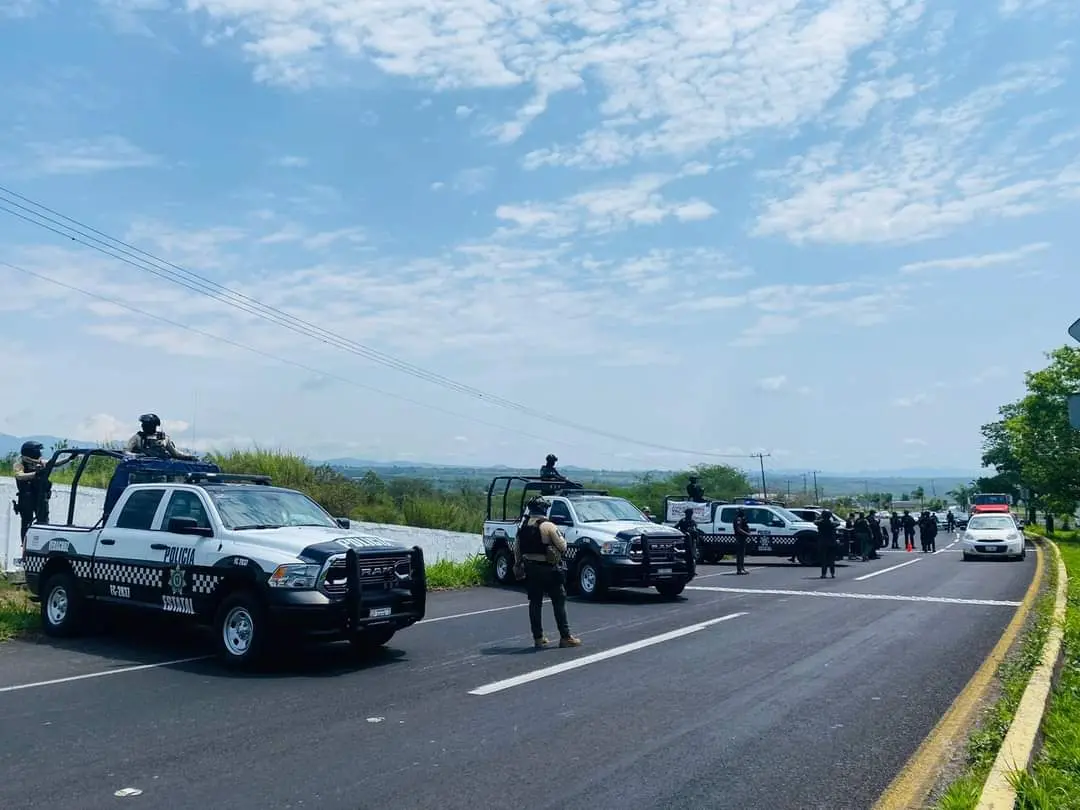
(610, 543)
(251, 560)
(775, 532)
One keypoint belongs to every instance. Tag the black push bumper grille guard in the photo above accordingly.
(647, 564)
(354, 587)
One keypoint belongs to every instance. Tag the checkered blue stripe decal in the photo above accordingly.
(121, 573)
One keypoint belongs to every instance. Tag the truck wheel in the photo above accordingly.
(62, 606)
(368, 640)
(807, 556)
(669, 590)
(590, 579)
(504, 566)
(240, 629)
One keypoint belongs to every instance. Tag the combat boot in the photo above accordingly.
(569, 641)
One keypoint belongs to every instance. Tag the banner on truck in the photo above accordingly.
(676, 510)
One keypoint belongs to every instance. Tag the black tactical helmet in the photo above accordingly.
(551, 458)
(150, 422)
(689, 511)
(31, 449)
(538, 506)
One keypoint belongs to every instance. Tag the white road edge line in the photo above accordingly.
(887, 570)
(577, 663)
(87, 676)
(944, 600)
(948, 547)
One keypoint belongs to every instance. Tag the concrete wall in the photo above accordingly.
(437, 544)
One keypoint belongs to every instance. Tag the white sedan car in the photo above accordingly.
(992, 536)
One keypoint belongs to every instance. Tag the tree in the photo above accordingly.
(1032, 445)
(962, 495)
(918, 494)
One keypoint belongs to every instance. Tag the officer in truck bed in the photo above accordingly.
(152, 441)
(538, 557)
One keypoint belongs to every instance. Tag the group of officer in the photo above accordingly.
(33, 488)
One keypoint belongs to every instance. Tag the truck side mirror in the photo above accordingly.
(343, 522)
(187, 525)
(561, 520)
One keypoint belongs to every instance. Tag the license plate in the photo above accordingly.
(378, 613)
(664, 572)
(997, 548)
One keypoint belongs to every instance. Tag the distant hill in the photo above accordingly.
(897, 482)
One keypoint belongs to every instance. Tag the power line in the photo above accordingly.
(168, 271)
(267, 355)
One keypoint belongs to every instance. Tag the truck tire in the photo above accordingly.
(589, 578)
(62, 606)
(368, 640)
(241, 629)
(504, 565)
(669, 590)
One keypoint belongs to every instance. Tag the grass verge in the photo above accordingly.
(1012, 679)
(444, 575)
(18, 615)
(1053, 781)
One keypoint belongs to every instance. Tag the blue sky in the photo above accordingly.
(834, 230)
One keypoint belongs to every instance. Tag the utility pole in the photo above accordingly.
(804, 487)
(761, 460)
(817, 497)
(788, 482)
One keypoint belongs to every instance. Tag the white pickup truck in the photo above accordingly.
(252, 560)
(610, 543)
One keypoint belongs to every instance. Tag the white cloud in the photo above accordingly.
(979, 261)
(473, 181)
(462, 111)
(675, 76)
(603, 209)
(916, 442)
(291, 162)
(912, 401)
(927, 174)
(103, 154)
(773, 383)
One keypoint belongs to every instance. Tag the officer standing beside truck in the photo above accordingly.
(742, 537)
(538, 555)
(32, 488)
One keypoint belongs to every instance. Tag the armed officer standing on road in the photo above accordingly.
(863, 536)
(538, 557)
(826, 544)
(908, 522)
(742, 537)
(152, 441)
(32, 488)
(695, 491)
(894, 526)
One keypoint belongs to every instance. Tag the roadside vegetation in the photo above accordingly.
(18, 615)
(1053, 781)
(1035, 454)
(1013, 675)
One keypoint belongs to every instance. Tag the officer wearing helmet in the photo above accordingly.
(538, 552)
(742, 537)
(152, 441)
(32, 487)
(554, 479)
(694, 490)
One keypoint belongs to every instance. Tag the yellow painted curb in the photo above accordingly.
(911, 787)
(1019, 744)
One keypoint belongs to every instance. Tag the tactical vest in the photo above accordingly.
(27, 487)
(529, 539)
(154, 444)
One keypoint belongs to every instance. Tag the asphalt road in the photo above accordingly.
(806, 694)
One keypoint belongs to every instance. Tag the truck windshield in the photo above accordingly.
(789, 516)
(267, 509)
(604, 509)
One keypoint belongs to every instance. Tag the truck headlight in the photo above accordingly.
(615, 548)
(1012, 536)
(295, 576)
